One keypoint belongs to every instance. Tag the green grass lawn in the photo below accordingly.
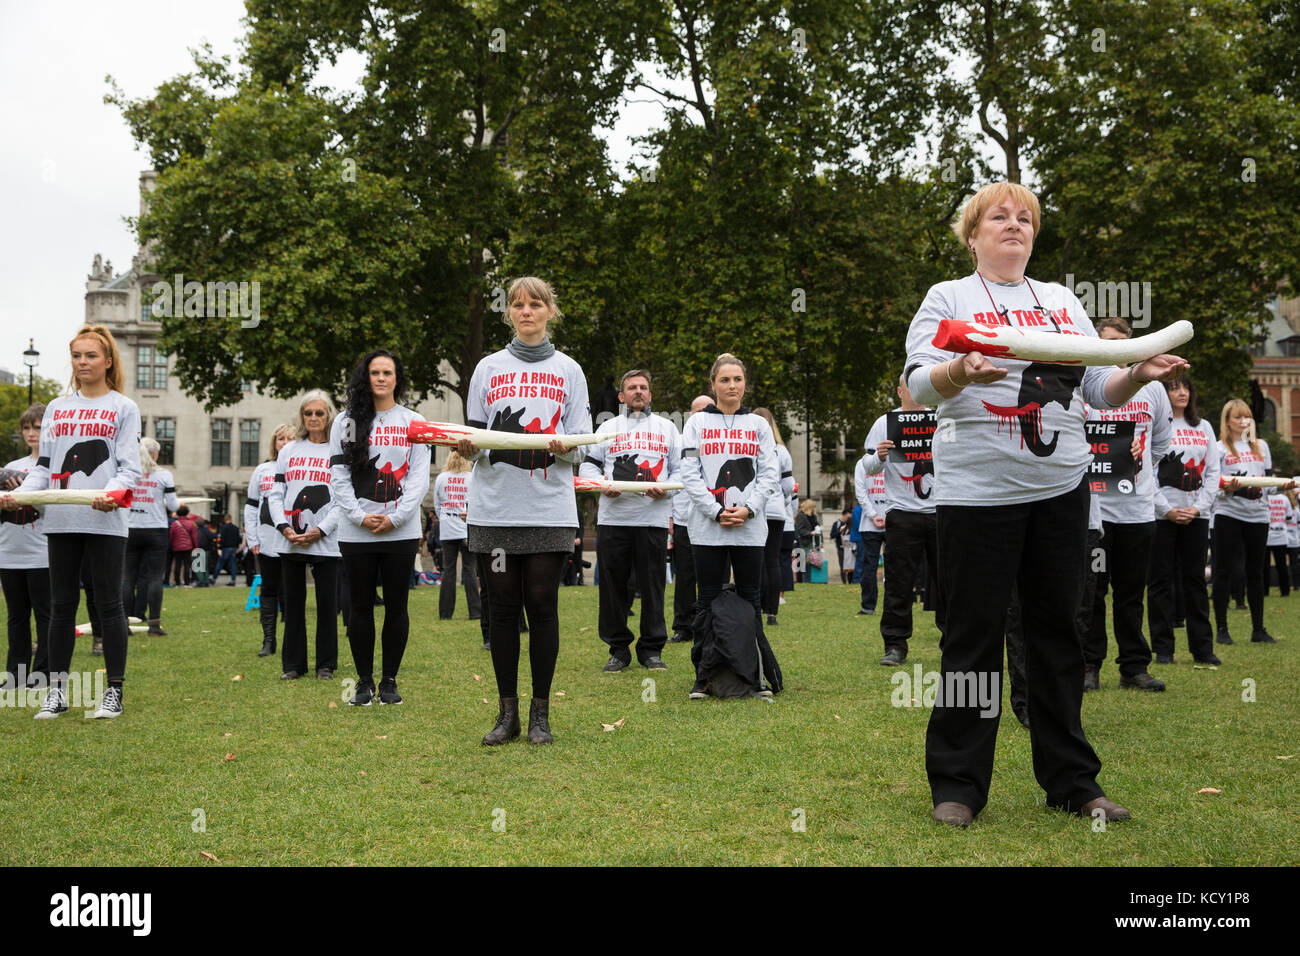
(680, 782)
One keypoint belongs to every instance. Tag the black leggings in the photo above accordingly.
(144, 568)
(27, 592)
(1281, 560)
(103, 554)
(293, 650)
(1239, 544)
(268, 595)
(771, 589)
(391, 570)
(517, 581)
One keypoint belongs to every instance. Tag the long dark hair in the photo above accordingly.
(361, 406)
(1189, 414)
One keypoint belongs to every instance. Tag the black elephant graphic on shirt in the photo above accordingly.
(264, 512)
(379, 484)
(84, 457)
(734, 477)
(916, 479)
(627, 468)
(310, 499)
(531, 459)
(1173, 472)
(1041, 383)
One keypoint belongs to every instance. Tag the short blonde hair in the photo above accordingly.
(456, 463)
(989, 196)
(538, 288)
(287, 430)
(315, 395)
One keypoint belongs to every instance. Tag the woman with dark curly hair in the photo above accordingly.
(379, 480)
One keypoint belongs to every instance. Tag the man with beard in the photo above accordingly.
(632, 528)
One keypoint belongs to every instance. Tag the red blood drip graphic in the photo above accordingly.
(435, 433)
(535, 428)
(62, 476)
(645, 472)
(914, 481)
(388, 477)
(1011, 414)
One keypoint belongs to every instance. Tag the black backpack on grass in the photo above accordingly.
(731, 654)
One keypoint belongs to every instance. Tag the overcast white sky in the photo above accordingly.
(68, 162)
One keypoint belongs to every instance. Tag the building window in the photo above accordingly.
(146, 306)
(220, 442)
(250, 433)
(150, 368)
(1270, 415)
(164, 429)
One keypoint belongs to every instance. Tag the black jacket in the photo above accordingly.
(733, 656)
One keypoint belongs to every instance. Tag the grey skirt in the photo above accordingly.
(485, 539)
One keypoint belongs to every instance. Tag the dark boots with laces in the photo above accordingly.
(539, 727)
(507, 726)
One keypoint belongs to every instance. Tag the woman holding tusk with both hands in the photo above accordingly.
(1012, 507)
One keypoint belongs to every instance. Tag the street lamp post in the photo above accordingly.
(31, 358)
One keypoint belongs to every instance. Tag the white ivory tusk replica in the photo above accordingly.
(83, 630)
(447, 433)
(1005, 341)
(600, 484)
(191, 502)
(1249, 481)
(71, 496)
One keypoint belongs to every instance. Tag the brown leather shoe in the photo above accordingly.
(954, 814)
(1114, 812)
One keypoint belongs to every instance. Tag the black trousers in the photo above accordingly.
(1281, 559)
(620, 551)
(1127, 550)
(1239, 545)
(180, 570)
(1178, 556)
(869, 550)
(143, 569)
(1040, 546)
(392, 571)
(27, 593)
(786, 561)
(268, 597)
(683, 582)
(771, 584)
(911, 545)
(452, 550)
(293, 650)
(103, 554)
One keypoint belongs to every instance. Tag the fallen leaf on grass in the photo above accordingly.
(208, 856)
(381, 736)
(836, 716)
(615, 725)
(227, 734)
(228, 758)
(476, 677)
(1211, 791)
(334, 703)
(582, 629)
(559, 693)
(238, 677)
(485, 700)
(205, 632)
(1287, 757)
(361, 773)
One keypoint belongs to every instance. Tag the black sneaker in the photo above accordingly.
(614, 665)
(771, 619)
(111, 703)
(654, 664)
(1164, 658)
(893, 655)
(1211, 659)
(700, 690)
(1262, 637)
(388, 691)
(865, 611)
(365, 693)
(1143, 681)
(56, 703)
(1240, 607)
(1223, 637)
(325, 673)
(1090, 681)
(680, 638)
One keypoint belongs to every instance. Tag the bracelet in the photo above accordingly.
(1132, 378)
(947, 368)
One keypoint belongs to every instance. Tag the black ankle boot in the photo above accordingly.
(268, 646)
(539, 727)
(507, 726)
(155, 627)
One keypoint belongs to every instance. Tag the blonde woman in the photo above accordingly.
(146, 542)
(1241, 518)
(263, 539)
(90, 439)
(305, 515)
